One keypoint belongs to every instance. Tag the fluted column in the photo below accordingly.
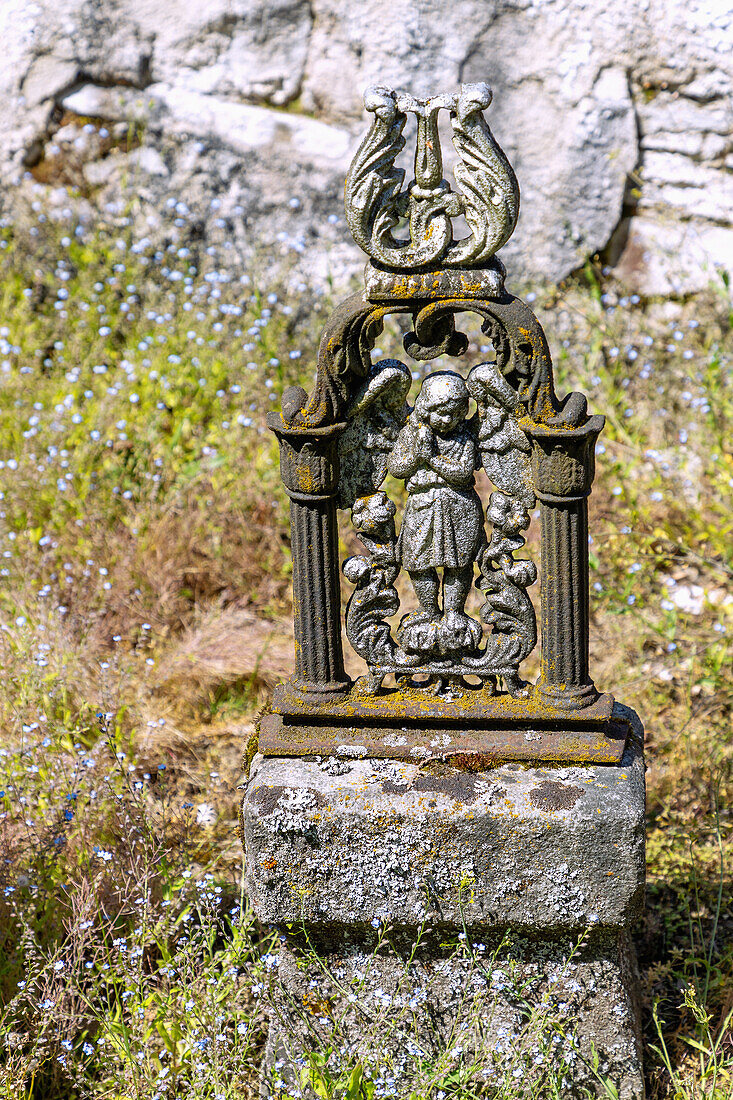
(309, 469)
(563, 462)
(319, 663)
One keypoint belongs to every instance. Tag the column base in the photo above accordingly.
(313, 688)
(576, 698)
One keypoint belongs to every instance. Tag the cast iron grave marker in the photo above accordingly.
(338, 444)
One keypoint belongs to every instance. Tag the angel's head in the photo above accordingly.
(442, 402)
(490, 389)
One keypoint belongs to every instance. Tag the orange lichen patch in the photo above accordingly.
(474, 762)
(306, 480)
(415, 703)
(316, 1004)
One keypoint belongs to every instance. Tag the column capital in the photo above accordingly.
(563, 458)
(308, 458)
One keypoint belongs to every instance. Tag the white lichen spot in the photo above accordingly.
(289, 814)
(332, 766)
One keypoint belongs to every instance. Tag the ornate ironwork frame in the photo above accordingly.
(320, 710)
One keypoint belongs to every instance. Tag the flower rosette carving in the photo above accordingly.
(375, 598)
(507, 609)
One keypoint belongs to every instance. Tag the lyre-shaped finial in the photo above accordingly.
(488, 195)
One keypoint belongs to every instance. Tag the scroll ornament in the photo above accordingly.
(376, 202)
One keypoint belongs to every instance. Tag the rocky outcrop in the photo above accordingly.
(617, 118)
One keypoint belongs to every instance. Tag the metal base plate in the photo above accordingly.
(446, 282)
(412, 724)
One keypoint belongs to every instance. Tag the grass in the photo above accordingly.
(144, 616)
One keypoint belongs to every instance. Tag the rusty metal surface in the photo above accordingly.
(469, 705)
(413, 741)
(404, 724)
(338, 445)
(487, 196)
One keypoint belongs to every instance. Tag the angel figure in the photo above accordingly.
(442, 527)
(374, 417)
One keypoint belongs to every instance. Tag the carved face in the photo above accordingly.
(444, 418)
(442, 402)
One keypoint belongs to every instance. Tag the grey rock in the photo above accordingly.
(582, 98)
(664, 255)
(130, 104)
(243, 127)
(250, 48)
(46, 77)
(100, 172)
(148, 160)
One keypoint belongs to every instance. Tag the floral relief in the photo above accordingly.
(436, 448)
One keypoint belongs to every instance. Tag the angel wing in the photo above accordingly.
(503, 446)
(484, 175)
(374, 417)
(372, 193)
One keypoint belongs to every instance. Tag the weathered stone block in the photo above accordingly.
(552, 848)
(507, 1011)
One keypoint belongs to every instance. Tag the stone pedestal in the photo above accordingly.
(443, 921)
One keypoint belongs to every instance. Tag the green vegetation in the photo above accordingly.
(144, 588)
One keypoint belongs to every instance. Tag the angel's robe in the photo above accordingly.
(442, 525)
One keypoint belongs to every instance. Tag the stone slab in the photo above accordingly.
(543, 849)
(495, 1011)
